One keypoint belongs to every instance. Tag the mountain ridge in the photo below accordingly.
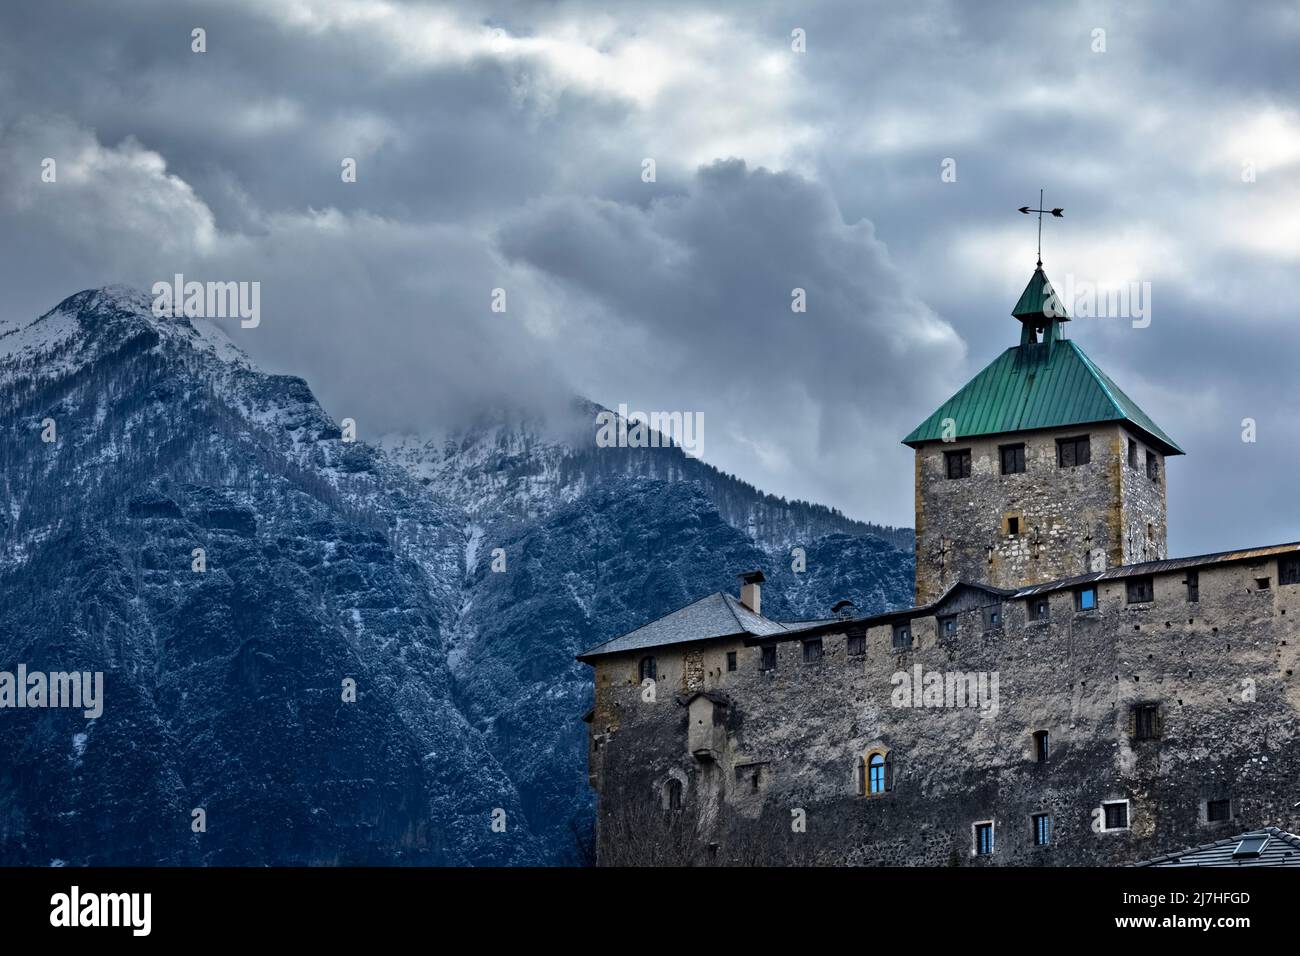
(328, 560)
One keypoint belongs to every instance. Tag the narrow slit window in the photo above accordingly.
(1042, 829)
(731, 660)
(993, 617)
(674, 795)
(1040, 746)
(649, 670)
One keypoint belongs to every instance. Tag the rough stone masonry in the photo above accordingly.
(1130, 703)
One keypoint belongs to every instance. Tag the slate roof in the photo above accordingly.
(1282, 849)
(1041, 385)
(718, 615)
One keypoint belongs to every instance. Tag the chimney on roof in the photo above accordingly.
(750, 594)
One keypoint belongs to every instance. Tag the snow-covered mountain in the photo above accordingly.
(129, 441)
(524, 467)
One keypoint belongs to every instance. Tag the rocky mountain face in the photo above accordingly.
(521, 468)
(197, 530)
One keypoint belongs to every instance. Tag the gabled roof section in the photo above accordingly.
(1042, 385)
(1267, 846)
(718, 615)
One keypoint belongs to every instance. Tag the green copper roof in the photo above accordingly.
(1045, 385)
(1038, 301)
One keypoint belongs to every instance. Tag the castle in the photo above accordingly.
(1062, 692)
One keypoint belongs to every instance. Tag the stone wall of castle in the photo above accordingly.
(1142, 517)
(1044, 524)
(786, 786)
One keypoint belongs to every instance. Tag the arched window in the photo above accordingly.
(648, 668)
(877, 773)
(673, 794)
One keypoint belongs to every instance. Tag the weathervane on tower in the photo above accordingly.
(1058, 212)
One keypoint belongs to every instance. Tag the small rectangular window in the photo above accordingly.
(948, 625)
(812, 651)
(751, 773)
(768, 661)
(983, 839)
(1072, 452)
(1261, 584)
(1042, 829)
(1013, 525)
(1153, 466)
(1013, 459)
(731, 660)
(1218, 811)
(1146, 721)
(1116, 815)
(1288, 571)
(957, 463)
(903, 636)
(1140, 590)
(1133, 453)
(856, 645)
(1085, 599)
(993, 616)
(1040, 746)
(1193, 586)
(1040, 609)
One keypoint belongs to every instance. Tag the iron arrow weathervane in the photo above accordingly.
(1058, 212)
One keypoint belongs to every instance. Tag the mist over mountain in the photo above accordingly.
(129, 441)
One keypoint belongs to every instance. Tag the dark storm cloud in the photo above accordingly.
(696, 290)
(512, 159)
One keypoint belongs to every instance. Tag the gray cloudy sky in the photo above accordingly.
(501, 145)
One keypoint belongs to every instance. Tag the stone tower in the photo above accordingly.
(1040, 468)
